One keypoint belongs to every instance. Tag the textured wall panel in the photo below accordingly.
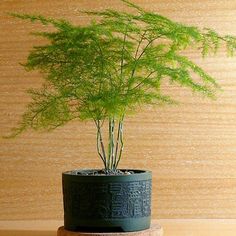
(190, 148)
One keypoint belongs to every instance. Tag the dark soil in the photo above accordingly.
(105, 172)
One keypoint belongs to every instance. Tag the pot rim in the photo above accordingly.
(140, 175)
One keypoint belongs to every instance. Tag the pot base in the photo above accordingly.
(154, 230)
(108, 225)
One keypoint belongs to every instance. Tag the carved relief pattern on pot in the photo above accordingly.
(109, 200)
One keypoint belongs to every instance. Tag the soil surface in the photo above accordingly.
(105, 172)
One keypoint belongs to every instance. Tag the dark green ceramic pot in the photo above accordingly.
(102, 203)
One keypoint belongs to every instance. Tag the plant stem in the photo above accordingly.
(136, 53)
(122, 55)
(143, 80)
(112, 159)
(119, 140)
(121, 143)
(117, 144)
(137, 58)
(98, 148)
(112, 123)
(100, 142)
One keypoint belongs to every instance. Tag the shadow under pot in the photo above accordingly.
(107, 203)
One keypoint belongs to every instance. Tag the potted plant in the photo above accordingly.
(102, 72)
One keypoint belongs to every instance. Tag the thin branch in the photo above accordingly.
(112, 142)
(143, 80)
(98, 148)
(117, 144)
(136, 52)
(143, 51)
(122, 55)
(101, 141)
(121, 142)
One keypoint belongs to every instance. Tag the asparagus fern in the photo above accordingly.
(112, 66)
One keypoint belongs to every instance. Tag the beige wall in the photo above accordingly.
(191, 149)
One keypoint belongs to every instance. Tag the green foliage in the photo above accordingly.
(113, 66)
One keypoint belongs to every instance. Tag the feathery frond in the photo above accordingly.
(111, 67)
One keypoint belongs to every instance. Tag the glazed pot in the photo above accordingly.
(107, 203)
